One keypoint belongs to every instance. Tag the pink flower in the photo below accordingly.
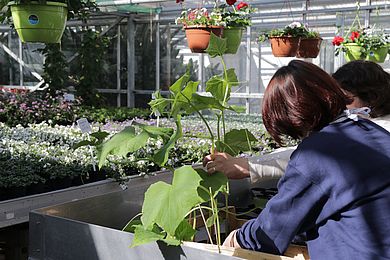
(242, 5)
(179, 1)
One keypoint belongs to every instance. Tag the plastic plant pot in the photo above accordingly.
(284, 46)
(378, 55)
(36, 22)
(354, 52)
(233, 38)
(309, 48)
(198, 37)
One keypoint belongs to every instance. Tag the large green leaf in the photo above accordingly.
(236, 141)
(167, 205)
(121, 144)
(159, 104)
(156, 132)
(180, 83)
(232, 77)
(161, 157)
(184, 231)
(204, 102)
(217, 86)
(217, 46)
(182, 98)
(143, 235)
(217, 182)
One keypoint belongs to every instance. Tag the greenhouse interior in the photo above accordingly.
(204, 129)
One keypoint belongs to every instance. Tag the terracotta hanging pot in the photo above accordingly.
(284, 46)
(309, 47)
(198, 36)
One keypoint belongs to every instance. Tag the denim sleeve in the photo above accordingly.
(292, 211)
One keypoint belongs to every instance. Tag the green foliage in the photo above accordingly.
(105, 114)
(168, 205)
(217, 46)
(92, 66)
(55, 67)
(236, 141)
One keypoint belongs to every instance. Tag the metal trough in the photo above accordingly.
(91, 228)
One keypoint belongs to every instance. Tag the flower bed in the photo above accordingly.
(43, 154)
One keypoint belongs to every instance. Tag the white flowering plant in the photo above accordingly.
(294, 29)
(200, 17)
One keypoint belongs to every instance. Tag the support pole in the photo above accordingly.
(157, 51)
(248, 66)
(130, 61)
(118, 67)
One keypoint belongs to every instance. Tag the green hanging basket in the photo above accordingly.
(39, 22)
(378, 55)
(233, 38)
(354, 52)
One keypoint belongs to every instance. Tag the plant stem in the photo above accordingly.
(136, 216)
(216, 220)
(205, 224)
(225, 96)
(218, 127)
(203, 119)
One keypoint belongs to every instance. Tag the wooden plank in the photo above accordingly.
(238, 252)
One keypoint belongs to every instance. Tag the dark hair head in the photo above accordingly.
(301, 98)
(369, 82)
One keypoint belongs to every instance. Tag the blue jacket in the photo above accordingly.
(336, 189)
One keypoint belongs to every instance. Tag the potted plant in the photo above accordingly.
(198, 24)
(363, 44)
(236, 18)
(285, 41)
(41, 20)
(309, 45)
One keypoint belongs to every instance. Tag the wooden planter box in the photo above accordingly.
(91, 229)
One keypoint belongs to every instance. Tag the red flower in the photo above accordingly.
(337, 40)
(179, 1)
(231, 2)
(354, 35)
(242, 5)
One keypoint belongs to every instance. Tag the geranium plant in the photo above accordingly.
(368, 40)
(235, 14)
(200, 16)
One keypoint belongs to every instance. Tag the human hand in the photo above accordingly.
(231, 240)
(233, 168)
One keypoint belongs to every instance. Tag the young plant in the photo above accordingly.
(168, 207)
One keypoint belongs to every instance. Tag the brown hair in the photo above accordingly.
(301, 98)
(369, 82)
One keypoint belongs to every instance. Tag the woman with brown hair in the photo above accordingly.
(336, 188)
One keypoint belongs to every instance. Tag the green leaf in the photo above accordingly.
(180, 103)
(159, 104)
(217, 46)
(155, 132)
(217, 86)
(237, 109)
(167, 205)
(184, 231)
(180, 83)
(232, 77)
(210, 221)
(130, 227)
(83, 143)
(217, 182)
(121, 144)
(236, 141)
(100, 136)
(169, 240)
(144, 236)
(204, 102)
(161, 157)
